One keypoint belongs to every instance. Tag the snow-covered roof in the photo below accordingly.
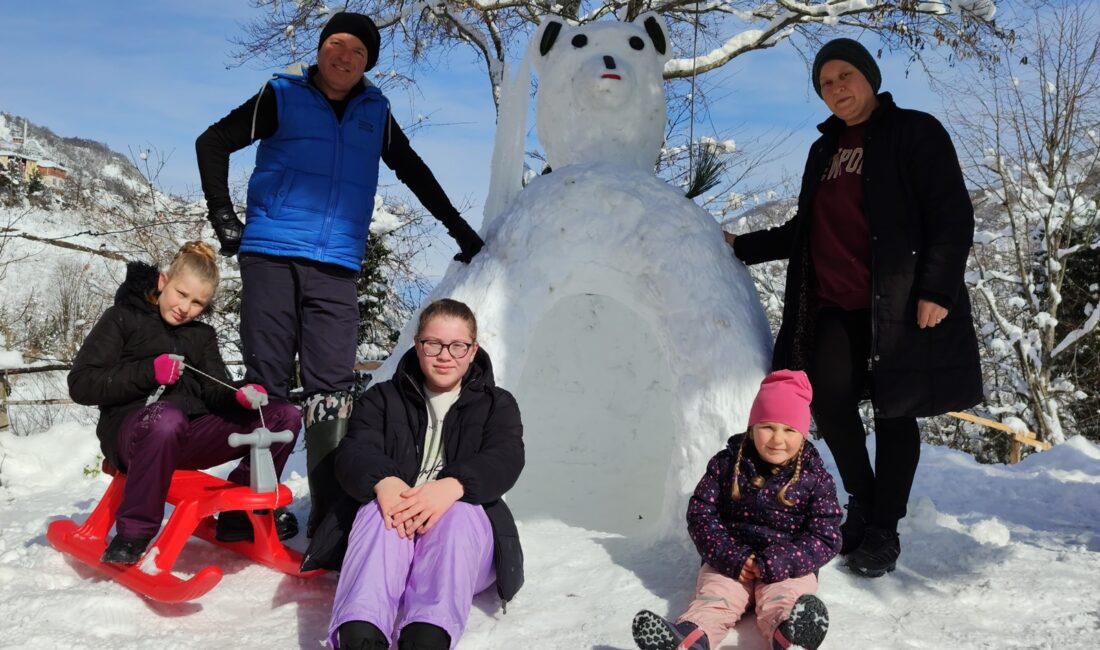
(51, 164)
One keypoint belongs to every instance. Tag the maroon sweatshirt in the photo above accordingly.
(839, 238)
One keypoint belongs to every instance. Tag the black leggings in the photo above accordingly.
(839, 376)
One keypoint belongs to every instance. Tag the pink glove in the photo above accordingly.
(167, 368)
(252, 396)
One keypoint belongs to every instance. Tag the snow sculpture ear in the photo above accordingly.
(654, 25)
(548, 33)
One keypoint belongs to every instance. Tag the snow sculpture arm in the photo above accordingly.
(99, 377)
(817, 542)
(946, 213)
(712, 538)
(361, 459)
(491, 472)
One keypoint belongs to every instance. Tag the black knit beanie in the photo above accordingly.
(851, 51)
(357, 25)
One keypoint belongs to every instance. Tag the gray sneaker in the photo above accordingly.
(806, 627)
(651, 632)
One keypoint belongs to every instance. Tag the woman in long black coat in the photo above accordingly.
(875, 305)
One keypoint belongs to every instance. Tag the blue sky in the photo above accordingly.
(156, 73)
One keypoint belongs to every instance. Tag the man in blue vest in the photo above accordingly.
(310, 202)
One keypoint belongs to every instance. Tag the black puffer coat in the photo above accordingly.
(483, 449)
(114, 367)
(921, 225)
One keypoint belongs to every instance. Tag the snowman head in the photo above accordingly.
(601, 91)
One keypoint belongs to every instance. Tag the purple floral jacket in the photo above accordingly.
(788, 541)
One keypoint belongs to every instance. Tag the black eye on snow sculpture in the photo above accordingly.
(580, 40)
(637, 43)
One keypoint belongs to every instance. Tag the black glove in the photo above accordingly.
(228, 229)
(469, 243)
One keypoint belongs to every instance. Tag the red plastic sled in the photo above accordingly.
(197, 497)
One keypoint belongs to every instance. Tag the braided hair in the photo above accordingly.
(198, 258)
(758, 481)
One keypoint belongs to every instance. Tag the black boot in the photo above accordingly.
(361, 635)
(806, 627)
(854, 527)
(878, 554)
(321, 441)
(652, 632)
(423, 636)
(125, 550)
(326, 420)
(234, 525)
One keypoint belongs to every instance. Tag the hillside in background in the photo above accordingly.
(87, 161)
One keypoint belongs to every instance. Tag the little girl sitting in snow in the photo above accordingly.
(764, 518)
(155, 417)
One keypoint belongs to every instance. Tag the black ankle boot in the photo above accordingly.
(854, 527)
(125, 550)
(234, 525)
(423, 636)
(361, 635)
(878, 554)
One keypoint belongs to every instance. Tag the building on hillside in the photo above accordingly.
(51, 172)
(23, 166)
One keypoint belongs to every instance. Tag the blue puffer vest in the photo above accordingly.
(311, 194)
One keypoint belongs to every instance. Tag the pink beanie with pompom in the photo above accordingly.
(784, 397)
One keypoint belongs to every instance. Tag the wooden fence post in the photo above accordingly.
(4, 421)
(1014, 449)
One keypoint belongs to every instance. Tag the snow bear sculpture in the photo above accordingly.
(610, 304)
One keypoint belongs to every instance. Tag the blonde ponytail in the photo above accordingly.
(198, 258)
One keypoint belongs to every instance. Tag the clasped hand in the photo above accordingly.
(415, 510)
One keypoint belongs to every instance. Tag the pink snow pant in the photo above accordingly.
(158, 439)
(434, 576)
(720, 601)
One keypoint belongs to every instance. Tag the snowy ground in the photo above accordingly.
(993, 557)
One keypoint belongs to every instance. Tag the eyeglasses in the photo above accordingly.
(433, 348)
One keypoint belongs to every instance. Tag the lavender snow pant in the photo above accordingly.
(434, 576)
(158, 439)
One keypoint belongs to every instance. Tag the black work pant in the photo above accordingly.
(291, 305)
(839, 375)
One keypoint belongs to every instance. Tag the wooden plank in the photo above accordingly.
(1026, 437)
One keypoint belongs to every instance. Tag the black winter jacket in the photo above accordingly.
(114, 367)
(921, 225)
(483, 450)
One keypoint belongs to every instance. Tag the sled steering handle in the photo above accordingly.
(261, 438)
(263, 478)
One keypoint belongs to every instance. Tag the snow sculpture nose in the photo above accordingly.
(609, 62)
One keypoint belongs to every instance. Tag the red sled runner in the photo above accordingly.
(197, 496)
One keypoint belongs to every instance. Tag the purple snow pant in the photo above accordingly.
(158, 439)
(434, 577)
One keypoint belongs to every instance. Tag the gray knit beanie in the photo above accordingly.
(845, 49)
